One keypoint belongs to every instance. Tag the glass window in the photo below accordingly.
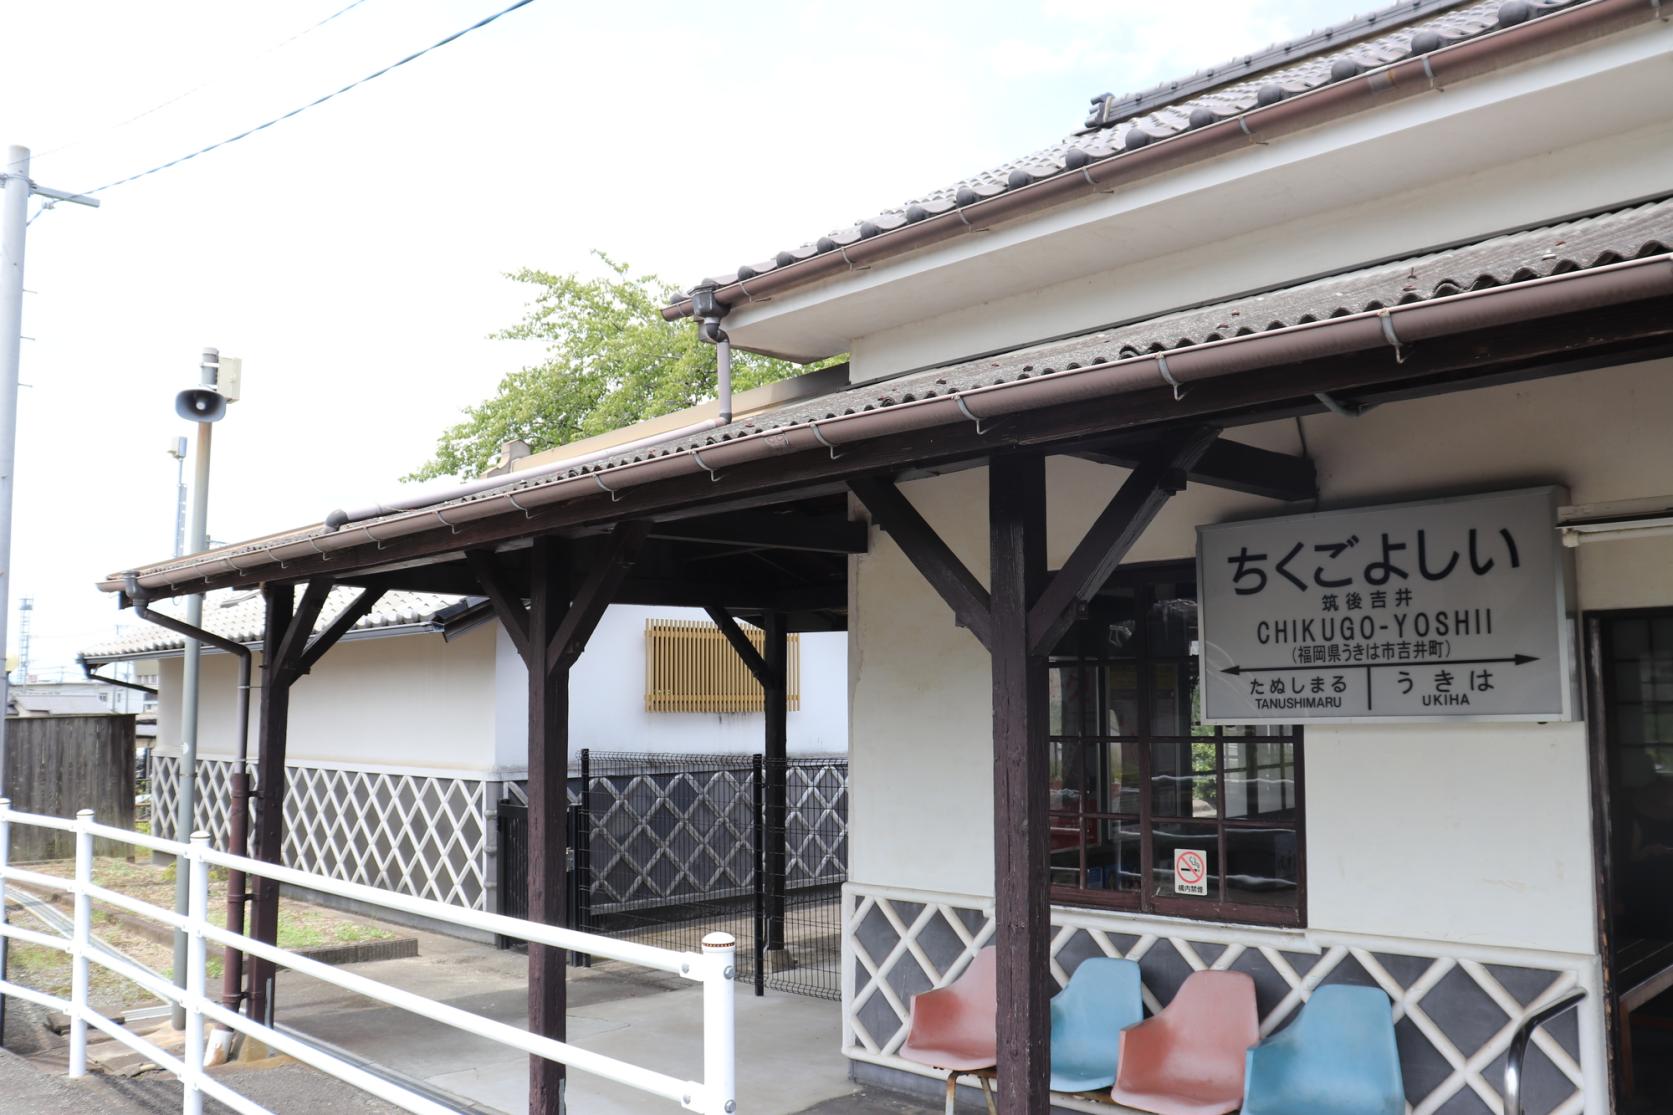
(1138, 782)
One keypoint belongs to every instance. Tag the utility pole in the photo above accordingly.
(177, 450)
(205, 405)
(15, 191)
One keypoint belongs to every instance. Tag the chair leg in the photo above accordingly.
(952, 1092)
(987, 1094)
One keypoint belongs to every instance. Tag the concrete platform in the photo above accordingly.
(788, 1057)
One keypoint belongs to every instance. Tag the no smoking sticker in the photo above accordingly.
(1190, 872)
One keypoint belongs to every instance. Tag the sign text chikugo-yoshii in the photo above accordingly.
(1450, 608)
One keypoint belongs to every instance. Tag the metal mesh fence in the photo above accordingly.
(668, 848)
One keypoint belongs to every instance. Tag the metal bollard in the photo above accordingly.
(719, 1038)
(81, 943)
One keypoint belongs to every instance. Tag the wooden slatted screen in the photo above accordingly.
(690, 667)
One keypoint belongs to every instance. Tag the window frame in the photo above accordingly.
(1141, 577)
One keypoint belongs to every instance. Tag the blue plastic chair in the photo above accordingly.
(1102, 999)
(1337, 1058)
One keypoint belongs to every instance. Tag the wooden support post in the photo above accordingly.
(289, 650)
(549, 580)
(272, 725)
(551, 634)
(1022, 912)
(775, 750)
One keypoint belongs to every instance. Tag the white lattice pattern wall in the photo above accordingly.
(419, 834)
(1456, 1008)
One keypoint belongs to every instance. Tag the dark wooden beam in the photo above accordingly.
(1227, 464)
(300, 629)
(734, 634)
(1022, 913)
(508, 604)
(272, 727)
(610, 568)
(829, 534)
(734, 595)
(548, 757)
(933, 558)
(1112, 534)
(357, 610)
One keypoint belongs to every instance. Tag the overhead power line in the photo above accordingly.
(198, 88)
(316, 102)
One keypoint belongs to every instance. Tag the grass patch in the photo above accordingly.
(301, 926)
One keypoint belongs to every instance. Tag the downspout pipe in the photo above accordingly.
(708, 329)
(238, 816)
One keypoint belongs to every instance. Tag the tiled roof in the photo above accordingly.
(1408, 29)
(1585, 242)
(239, 616)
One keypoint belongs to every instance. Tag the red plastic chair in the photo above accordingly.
(956, 1028)
(1188, 1060)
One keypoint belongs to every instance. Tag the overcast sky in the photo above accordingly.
(354, 256)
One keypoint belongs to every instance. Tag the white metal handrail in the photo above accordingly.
(713, 968)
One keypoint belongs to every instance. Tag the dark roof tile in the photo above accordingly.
(1121, 124)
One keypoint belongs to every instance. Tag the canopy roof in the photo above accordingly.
(1518, 304)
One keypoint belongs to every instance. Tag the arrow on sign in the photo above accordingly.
(1515, 660)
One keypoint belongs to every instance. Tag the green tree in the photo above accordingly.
(611, 360)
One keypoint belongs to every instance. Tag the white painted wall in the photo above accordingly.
(1478, 833)
(409, 701)
(607, 698)
(415, 701)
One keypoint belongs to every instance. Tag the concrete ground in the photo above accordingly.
(788, 1059)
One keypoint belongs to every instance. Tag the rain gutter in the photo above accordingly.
(1373, 88)
(1396, 327)
(89, 669)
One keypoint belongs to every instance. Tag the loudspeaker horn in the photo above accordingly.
(200, 404)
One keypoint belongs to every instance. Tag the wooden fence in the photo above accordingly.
(58, 765)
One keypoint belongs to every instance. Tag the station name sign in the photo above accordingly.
(1453, 609)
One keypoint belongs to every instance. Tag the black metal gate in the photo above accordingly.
(666, 849)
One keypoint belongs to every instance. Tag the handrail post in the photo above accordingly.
(5, 858)
(197, 911)
(1518, 1051)
(80, 942)
(719, 1001)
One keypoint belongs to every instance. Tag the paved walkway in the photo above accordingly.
(787, 1044)
(788, 1061)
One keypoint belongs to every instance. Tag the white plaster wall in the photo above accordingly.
(1475, 833)
(607, 698)
(416, 701)
(403, 701)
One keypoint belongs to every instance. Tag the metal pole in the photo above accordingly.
(180, 498)
(14, 221)
(185, 817)
(81, 943)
